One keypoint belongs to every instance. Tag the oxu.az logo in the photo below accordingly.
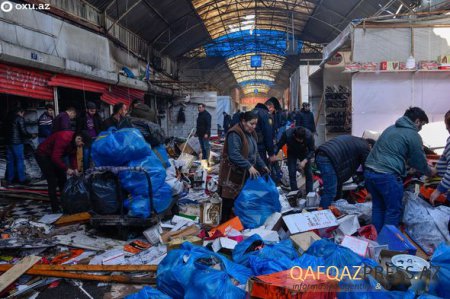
(8, 6)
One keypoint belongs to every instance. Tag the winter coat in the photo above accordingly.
(82, 123)
(62, 122)
(398, 145)
(16, 132)
(443, 169)
(238, 155)
(305, 119)
(56, 147)
(203, 124)
(301, 151)
(346, 154)
(45, 125)
(264, 129)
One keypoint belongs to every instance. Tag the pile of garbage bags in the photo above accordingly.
(128, 147)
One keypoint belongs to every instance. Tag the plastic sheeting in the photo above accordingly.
(426, 225)
(362, 210)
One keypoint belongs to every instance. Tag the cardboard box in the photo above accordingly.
(298, 223)
(274, 222)
(302, 241)
(393, 237)
(186, 148)
(312, 200)
(282, 285)
(358, 246)
(210, 213)
(223, 243)
(348, 225)
(234, 223)
(265, 234)
(176, 242)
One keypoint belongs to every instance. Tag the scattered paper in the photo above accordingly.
(298, 223)
(50, 218)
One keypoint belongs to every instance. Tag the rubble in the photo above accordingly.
(182, 251)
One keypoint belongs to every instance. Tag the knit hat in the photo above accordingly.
(91, 105)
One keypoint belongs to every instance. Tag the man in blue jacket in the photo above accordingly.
(45, 123)
(305, 118)
(386, 165)
(300, 146)
(265, 132)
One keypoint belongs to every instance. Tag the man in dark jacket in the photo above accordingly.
(226, 122)
(118, 120)
(63, 122)
(300, 145)
(305, 118)
(90, 122)
(264, 131)
(399, 144)
(16, 135)
(236, 118)
(204, 130)
(45, 123)
(338, 160)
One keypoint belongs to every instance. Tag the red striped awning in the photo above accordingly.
(118, 94)
(73, 82)
(25, 82)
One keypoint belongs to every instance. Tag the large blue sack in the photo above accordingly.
(119, 147)
(211, 283)
(440, 283)
(368, 288)
(137, 185)
(161, 152)
(176, 269)
(259, 198)
(148, 293)
(265, 258)
(328, 254)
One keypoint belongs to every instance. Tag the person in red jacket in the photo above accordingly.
(50, 157)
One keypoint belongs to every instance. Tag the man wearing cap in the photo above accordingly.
(305, 118)
(91, 121)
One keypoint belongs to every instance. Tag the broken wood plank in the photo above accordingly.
(89, 268)
(102, 278)
(17, 270)
(73, 219)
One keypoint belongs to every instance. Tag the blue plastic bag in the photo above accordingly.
(176, 269)
(210, 283)
(328, 254)
(439, 286)
(258, 200)
(119, 147)
(148, 293)
(368, 288)
(161, 152)
(136, 183)
(269, 258)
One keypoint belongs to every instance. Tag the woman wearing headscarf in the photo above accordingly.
(240, 160)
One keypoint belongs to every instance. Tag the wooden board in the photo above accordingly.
(17, 270)
(73, 219)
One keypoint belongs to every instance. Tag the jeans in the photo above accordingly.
(292, 167)
(387, 194)
(15, 163)
(329, 178)
(204, 144)
(55, 176)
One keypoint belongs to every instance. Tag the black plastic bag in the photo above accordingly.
(75, 196)
(104, 190)
(152, 132)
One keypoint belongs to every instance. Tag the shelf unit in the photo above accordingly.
(338, 113)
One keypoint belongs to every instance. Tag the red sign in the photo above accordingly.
(336, 59)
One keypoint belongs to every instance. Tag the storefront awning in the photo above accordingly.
(25, 82)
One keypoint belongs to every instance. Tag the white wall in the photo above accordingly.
(379, 99)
